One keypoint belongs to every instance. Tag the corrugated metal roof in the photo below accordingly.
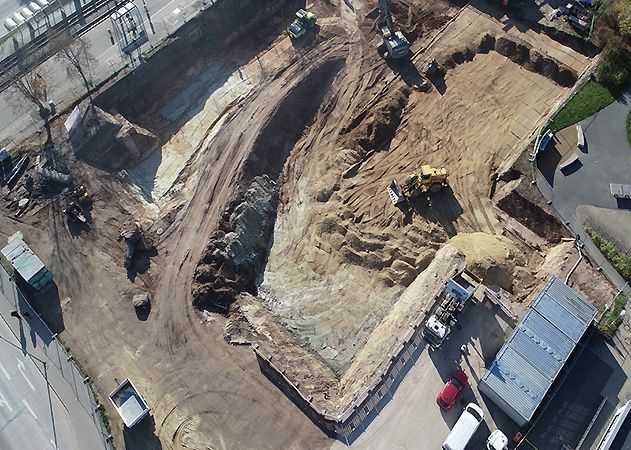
(530, 360)
(22, 258)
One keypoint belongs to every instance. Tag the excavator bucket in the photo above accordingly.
(395, 193)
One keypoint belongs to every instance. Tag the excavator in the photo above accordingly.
(427, 180)
(393, 43)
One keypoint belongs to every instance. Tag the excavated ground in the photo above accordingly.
(271, 209)
(335, 256)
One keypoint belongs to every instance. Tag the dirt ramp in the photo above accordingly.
(288, 121)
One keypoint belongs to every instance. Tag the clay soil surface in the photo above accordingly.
(273, 212)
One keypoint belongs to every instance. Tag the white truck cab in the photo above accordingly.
(497, 441)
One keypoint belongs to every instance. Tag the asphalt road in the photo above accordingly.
(607, 159)
(31, 416)
(20, 120)
(43, 402)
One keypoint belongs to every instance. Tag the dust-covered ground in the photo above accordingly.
(266, 215)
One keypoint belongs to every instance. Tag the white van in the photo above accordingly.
(465, 428)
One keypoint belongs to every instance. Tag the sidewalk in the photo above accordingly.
(21, 121)
(62, 375)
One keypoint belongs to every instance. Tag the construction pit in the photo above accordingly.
(265, 197)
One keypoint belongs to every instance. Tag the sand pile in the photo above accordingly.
(491, 258)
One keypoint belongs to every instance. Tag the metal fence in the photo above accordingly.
(55, 354)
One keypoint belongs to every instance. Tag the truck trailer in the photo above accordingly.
(450, 304)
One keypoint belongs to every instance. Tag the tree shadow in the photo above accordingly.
(142, 436)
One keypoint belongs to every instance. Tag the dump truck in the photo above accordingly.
(393, 44)
(620, 190)
(450, 304)
(427, 180)
(303, 21)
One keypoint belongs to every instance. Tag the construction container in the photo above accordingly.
(26, 263)
(129, 403)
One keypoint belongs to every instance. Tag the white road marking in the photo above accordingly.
(3, 402)
(29, 408)
(6, 374)
(21, 369)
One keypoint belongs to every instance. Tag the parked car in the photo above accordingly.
(465, 428)
(456, 383)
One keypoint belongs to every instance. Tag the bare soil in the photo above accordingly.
(273, 224)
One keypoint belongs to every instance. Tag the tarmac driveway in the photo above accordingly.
(606, 159)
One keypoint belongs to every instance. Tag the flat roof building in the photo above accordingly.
(529, 362)
(26, 263)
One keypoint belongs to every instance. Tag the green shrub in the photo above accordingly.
(612, 319)
(620, 261)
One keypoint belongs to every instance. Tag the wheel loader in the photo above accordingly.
(427, 180)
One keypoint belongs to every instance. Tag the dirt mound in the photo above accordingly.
(374, 128)
(236, 253)
(523, 54)
(491, 258)
(108, 141)
(523, 202)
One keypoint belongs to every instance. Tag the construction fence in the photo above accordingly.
(55, 354)
(349, 425)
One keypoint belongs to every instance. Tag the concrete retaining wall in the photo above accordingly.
(348, 425)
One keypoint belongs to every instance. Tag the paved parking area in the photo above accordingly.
(412, 419)
(606, 159)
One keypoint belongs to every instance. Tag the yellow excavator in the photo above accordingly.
(428, 179)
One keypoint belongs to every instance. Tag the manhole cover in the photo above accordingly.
(627, 328)
(159, 231)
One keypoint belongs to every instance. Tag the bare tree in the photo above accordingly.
(76, 56)
(23, 81)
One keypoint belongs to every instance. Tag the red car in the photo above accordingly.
(456, 383)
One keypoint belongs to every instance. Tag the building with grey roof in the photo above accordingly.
(529, 362)
(26, 263)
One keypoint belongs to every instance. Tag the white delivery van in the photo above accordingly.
(465, 428)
